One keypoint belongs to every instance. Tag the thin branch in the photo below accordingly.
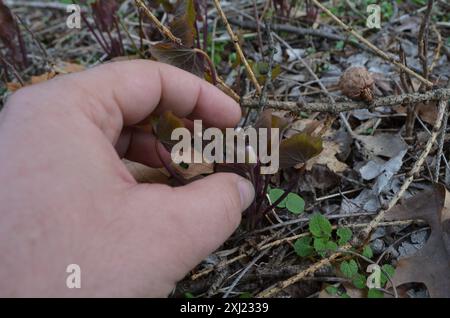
(298, 30)
(298, 107)
(423, 39)
(371, 46)
(165, 31)
(441, 142)
(238, 48)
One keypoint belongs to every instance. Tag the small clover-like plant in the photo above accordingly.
(292, 201)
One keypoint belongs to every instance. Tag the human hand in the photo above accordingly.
(66, 197)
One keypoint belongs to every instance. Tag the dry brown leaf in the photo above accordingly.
(427, 112)
(384, 144)
(431, 264)
(60, 68)
(12, 87)
(328, 158)
(42, 78)
(67, 68)
(144, 174)
(194, 170)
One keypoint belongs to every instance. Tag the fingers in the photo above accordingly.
(140, 146)
(124, 93)
(202, 214)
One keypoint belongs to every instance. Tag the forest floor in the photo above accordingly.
(375, 195)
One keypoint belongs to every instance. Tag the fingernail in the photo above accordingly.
(247, 193)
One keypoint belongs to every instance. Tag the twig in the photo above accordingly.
(371, 46)
(244, 271)
(165, 31)
(299, 31)
(423, 39)
(298, 107)
(441, 142)
(437, 51)
(13, 69)
(238, 48)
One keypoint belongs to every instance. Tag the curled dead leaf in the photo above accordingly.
(431, 264)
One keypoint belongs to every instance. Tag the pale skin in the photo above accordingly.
(66, 196)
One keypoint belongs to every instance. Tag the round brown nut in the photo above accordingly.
(357, 83)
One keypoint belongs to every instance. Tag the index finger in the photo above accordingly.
(125, 93)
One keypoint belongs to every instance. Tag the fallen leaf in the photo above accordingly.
(328, 158)
(384, 144)
(185, 58)
(60, 68)
(42, 78)
(298, 149)
(68, 67)
(431, 264)
(427, 112)
(194, 170)
(12, 87)
(144, 174)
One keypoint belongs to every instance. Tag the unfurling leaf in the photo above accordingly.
(105, 13)
(185, 58)
(183, 25)
(298, 149)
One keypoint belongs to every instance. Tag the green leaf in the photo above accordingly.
(303, 246)
(298, 149)
(359, 281)
(188, 295)
(344, 234)
(345, 295)
(245, 295)
(349, 269)
(390, 270)
(323, 245)
(331, 246)
(319, 226)
(320, 244)
(340, 45)
(367, 252)
(295, 203)
(332, 290)
(374, 293)
(274, 195)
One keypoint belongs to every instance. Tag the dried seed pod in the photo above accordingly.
(357, 83)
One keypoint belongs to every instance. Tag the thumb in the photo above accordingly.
(195, 219)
